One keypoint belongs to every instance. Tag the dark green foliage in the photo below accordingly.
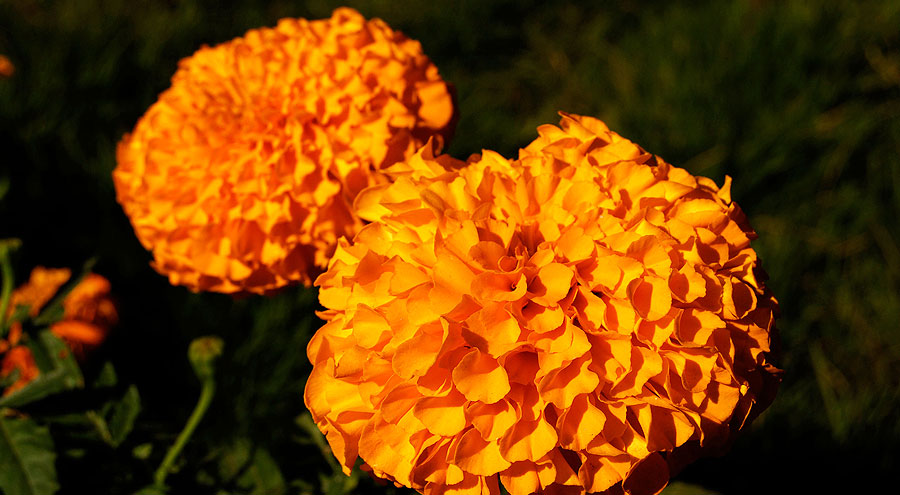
(26, 454)
(798, 101)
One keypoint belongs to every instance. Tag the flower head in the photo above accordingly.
(582, 319)
(241, 176)
(88, 314)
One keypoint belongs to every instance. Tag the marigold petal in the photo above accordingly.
(651, 297)
(475, 455)
(645, 364)
(528, 440)
(698, 212)
(521, 478)
(454, 276)
(738, 299)
(598, 474)
(18, 359)
(665, 428)
(480, 378)
(686, 284)
(470, 485)
(521, 367)
(491, 420)
(490, 286)
(697, 325)
(43, 283)
(386, 449)
(648, 477)
(436, 108)
(79, 332)
(652, 255)
(575, 245)
(415, 356)
(561, 386)
(580, 424)
(543, 319)
(493, 330)
(552, 284)
(442, 415)
(431, 466)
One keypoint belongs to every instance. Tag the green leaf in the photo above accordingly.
(27, 458)
(263, 477)
(252, 468)
(308, 425)
(59, 371)
(61, 358)
(124, 412)
(107, 377)
(19, 314)
(115, 418)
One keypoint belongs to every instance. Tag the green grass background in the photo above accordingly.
(798, 101)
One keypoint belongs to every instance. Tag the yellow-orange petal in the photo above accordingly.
(493, 330)
(491, 420)
(480, 378)
(79, 331)
(697, 326)
(528, 440)
(18, 359)
(561, 386)
(553, 282)
(580, 424)
(42, 285)
(442, 415)
(473, 454)
(415, 356)
(521, 478)
(665, 428)
(470, 485)
(651, 297)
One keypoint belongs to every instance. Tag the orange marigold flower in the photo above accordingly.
(586, 318)
(88, 314)
(240, 178)
(7, 69)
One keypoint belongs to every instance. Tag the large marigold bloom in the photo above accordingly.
(241, 176)
(88, 314)
(586, 318)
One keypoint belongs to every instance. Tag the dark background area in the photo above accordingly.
(799, 102)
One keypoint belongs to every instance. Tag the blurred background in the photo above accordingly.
(799, 102)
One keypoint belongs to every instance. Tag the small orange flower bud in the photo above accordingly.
(7, 69)
(88, 315)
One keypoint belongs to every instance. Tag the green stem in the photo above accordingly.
(206, 395)
(7, 287)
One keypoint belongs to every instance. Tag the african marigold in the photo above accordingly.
(241, 177)
(88, 314)
(586, 318)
